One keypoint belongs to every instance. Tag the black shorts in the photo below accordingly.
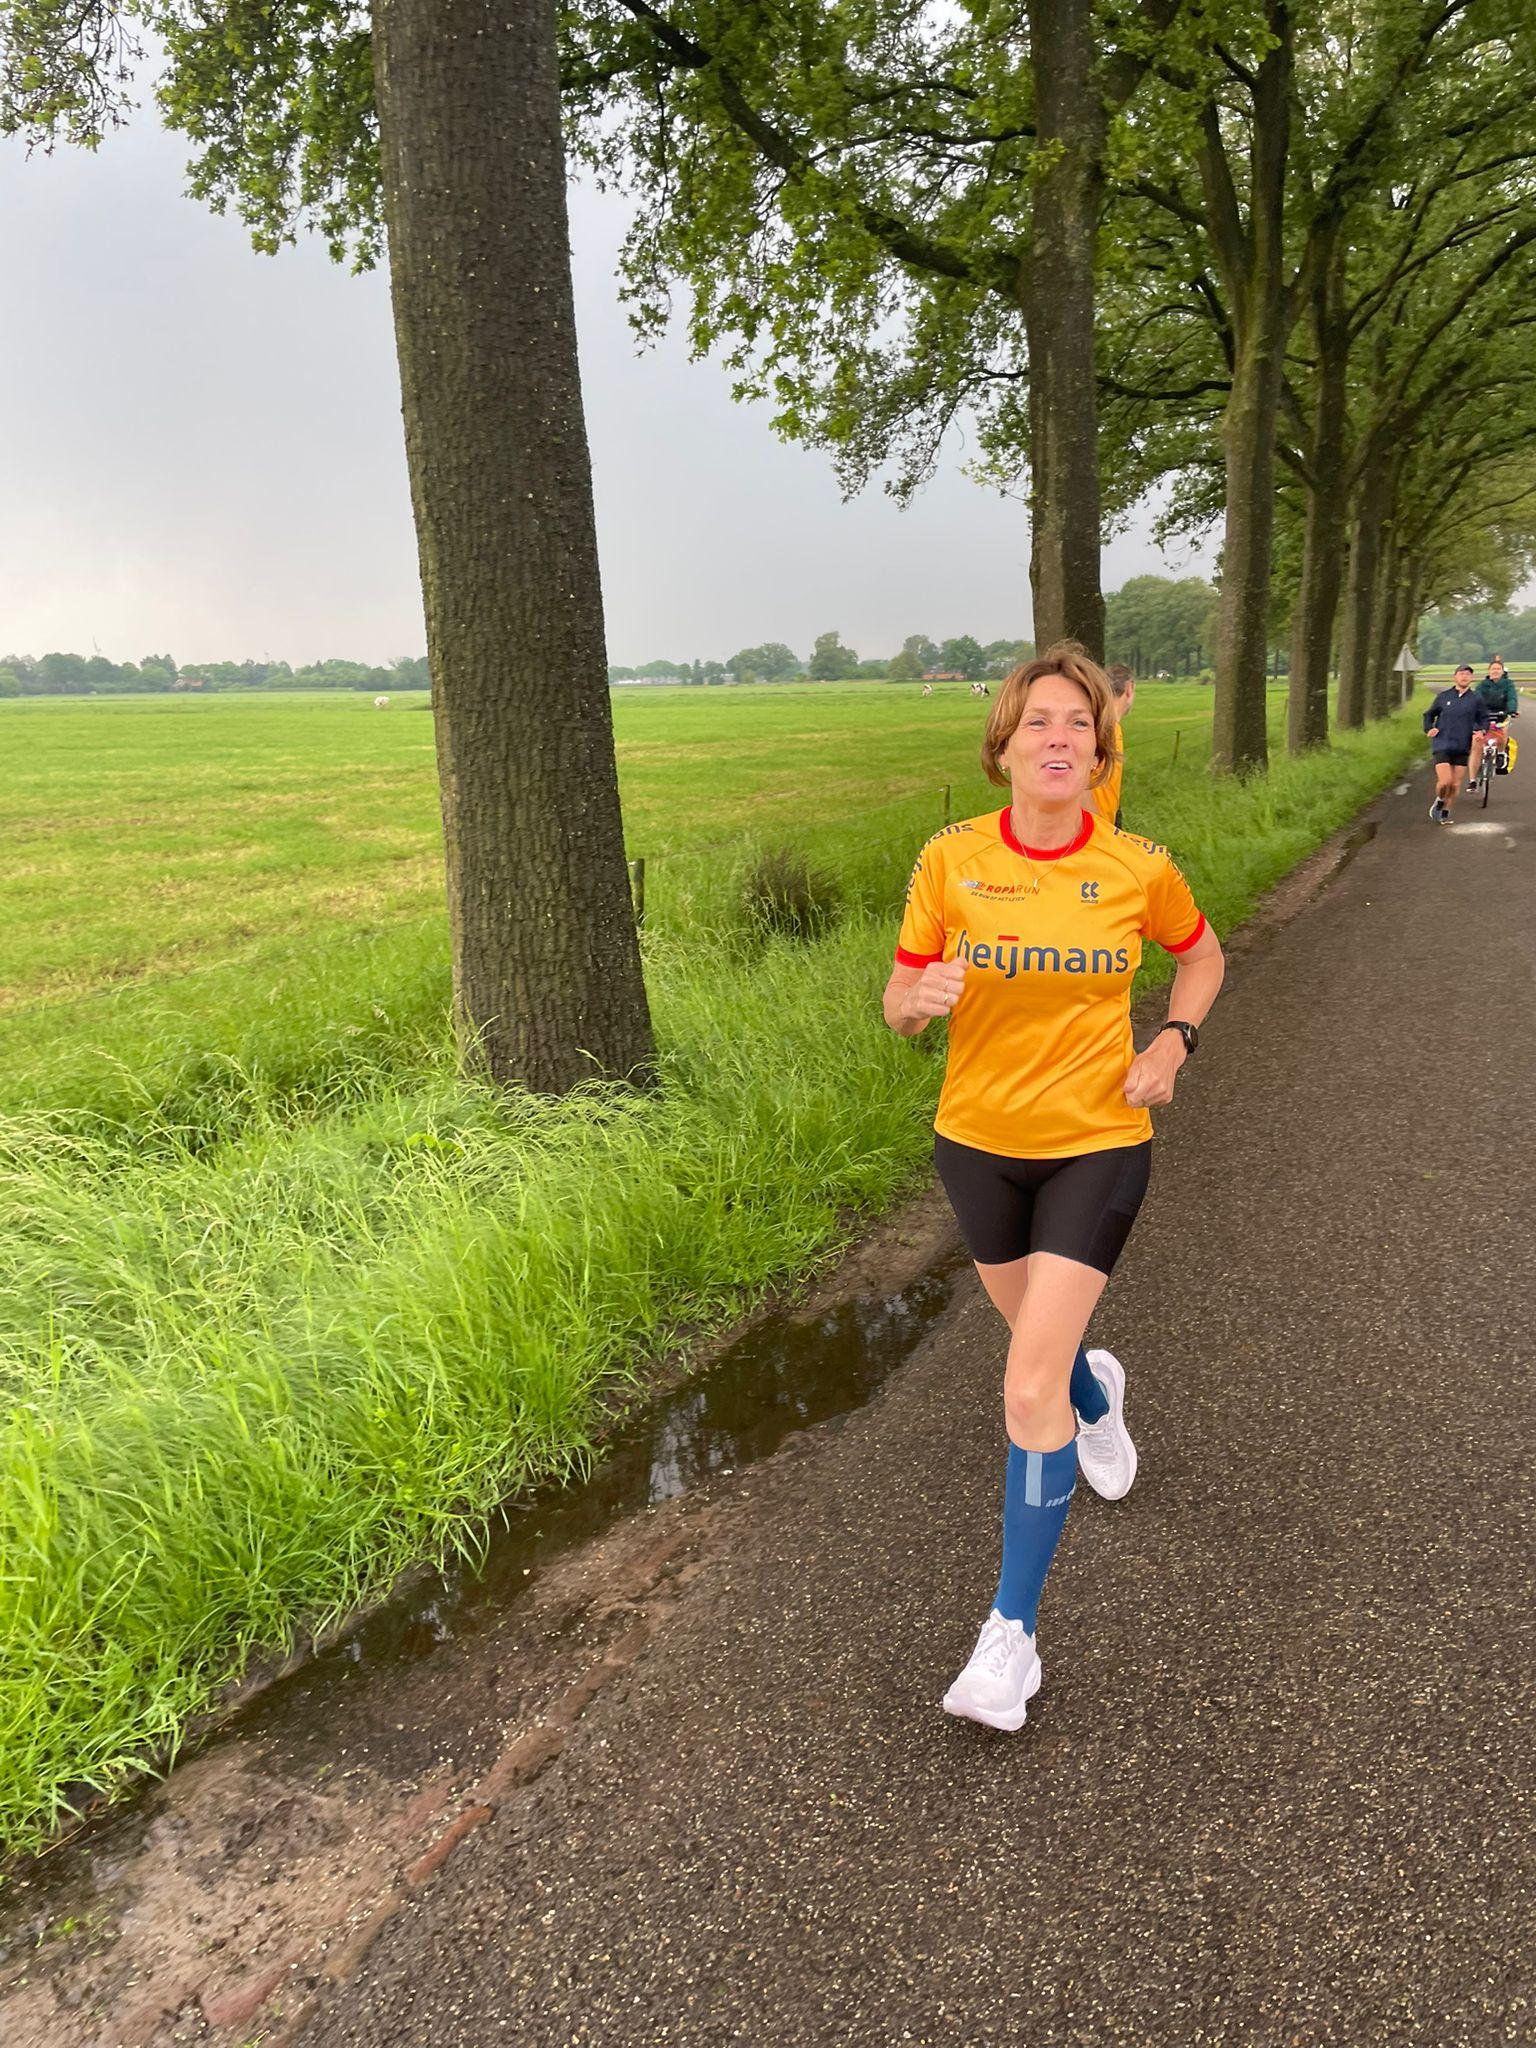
(1454, 758)
(1079, 1208)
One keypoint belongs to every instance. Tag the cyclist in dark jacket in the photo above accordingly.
(1498, 692)
(1456, 723)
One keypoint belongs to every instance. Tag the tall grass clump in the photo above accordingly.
(287, 1304)
(786, 897)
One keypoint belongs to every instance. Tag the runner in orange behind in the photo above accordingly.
(1024, 928)
(1106, 795)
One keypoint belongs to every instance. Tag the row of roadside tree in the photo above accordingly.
(1274, 259)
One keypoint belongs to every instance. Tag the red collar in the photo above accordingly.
(1011, 838)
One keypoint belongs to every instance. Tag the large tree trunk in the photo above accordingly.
(1322, 568)
(1058, 306)
(1384, 613)
(546, 965)
(1239, 739)
(1360, 592)
(1402, 625)
(1413, 584)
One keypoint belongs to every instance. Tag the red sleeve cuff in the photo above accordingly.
(1184, 945)
(906, 959)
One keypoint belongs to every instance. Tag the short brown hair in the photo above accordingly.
(1069, 660)
(1120, 677)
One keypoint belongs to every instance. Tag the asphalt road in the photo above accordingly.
(1278, 1785)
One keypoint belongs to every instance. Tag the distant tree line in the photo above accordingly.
(88, 675)
(831, 662)
(1155, 624)
(1477, 634)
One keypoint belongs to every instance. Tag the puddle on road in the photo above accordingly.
(788, 1372)
(1362, 835)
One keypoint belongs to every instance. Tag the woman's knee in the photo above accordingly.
(1030, 1398)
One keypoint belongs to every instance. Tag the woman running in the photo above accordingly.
(1024, 928)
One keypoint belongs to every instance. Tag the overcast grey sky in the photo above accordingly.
(204, 457)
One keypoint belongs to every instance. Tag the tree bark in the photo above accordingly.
(1394, 623)
(1360, 592)
(1384, 612)
(1402, 626)
(1413, 584)
(1322, 568)
(1255, 269)
(546, 966)
(1057, 301)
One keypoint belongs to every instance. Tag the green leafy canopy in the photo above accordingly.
(275, 96)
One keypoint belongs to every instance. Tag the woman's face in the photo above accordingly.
(1054, 746)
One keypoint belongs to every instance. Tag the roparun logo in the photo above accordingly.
(999, 892)
(1009, 957)
(1090, 892)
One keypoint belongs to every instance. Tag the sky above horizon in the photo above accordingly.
(205, 457)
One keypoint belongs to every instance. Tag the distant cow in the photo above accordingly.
(381, 703)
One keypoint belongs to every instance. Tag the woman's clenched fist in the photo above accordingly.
(936, 990)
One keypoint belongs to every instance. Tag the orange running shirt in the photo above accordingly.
(1106, 797)
(1040, 1039)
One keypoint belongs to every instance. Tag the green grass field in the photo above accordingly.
(285, 1302)
(156, 835)
(215, 824)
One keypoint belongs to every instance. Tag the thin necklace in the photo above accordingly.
(1035, 878)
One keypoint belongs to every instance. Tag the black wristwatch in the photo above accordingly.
(1190, 1033)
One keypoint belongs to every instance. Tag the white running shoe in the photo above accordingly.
(1106, 1457)
(1001, 1678)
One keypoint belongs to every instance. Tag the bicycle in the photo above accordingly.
(1494, 753)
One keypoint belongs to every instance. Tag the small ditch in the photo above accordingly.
(788, 1372)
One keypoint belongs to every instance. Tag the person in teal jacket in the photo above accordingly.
(1501, 700)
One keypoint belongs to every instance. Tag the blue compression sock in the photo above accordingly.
(1084, 1391)
(1036, 1496)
